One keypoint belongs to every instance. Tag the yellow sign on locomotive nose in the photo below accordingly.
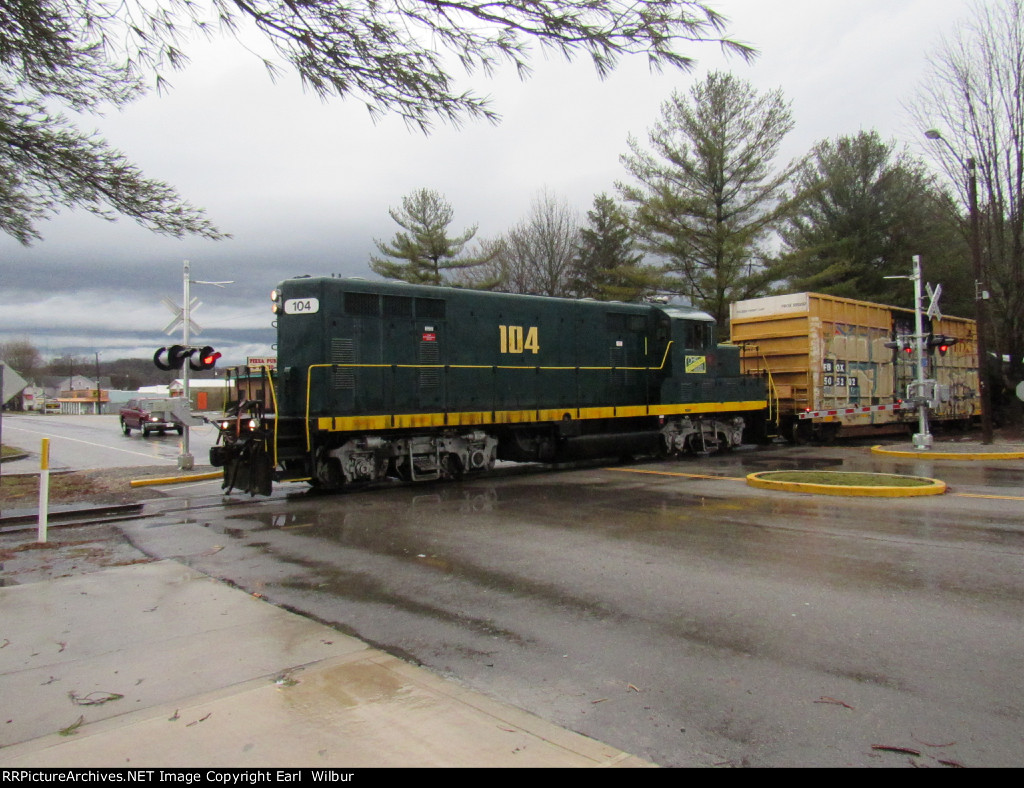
(696, 365)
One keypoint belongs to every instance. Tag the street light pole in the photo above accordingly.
(980, 286)
(980, 304)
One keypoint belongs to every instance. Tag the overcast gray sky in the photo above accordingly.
(305, 186)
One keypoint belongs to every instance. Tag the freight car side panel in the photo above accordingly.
(823, 352)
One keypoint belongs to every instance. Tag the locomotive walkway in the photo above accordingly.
(156, 665)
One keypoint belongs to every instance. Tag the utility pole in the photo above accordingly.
(980, 285)
(980, 306)
(97, 383)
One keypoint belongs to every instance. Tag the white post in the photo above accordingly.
(923, 439)
(44, 490)
(185, 460)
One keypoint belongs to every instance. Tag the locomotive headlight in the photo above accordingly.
(275, 297)
(253, 424)
(224, 425)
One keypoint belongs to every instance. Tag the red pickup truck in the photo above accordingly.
(148, 415)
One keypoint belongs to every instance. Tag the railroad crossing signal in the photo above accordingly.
(177, 355)
(902, 342)
(179, 316)
(941, 342)
(207, 359)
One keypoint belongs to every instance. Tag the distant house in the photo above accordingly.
(204, 394)
(75, 394)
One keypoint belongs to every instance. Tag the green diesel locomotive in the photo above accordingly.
(378, 379)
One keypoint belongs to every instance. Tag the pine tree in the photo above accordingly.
(608, 266)
(863, 210)
(423, 243)
(707, 198)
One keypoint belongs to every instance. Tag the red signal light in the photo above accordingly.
(207, 359)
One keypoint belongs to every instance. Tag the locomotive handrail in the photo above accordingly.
(273, 396)
(311, 367)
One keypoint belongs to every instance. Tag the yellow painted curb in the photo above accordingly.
(198, 477)
(950, 455)
(936, 487)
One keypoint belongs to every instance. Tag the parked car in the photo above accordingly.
(149, 415)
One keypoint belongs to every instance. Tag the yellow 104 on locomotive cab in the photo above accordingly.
(378, 379)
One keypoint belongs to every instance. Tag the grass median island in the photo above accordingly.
(846, 483)
(847, 479)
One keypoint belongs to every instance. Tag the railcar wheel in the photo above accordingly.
(828, 433)
(800, 433)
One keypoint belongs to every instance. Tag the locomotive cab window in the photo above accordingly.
(700, 335)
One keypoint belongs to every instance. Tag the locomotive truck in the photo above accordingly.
(387, 379)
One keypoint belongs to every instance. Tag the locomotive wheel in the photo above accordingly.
(453, 467)
(400, 469)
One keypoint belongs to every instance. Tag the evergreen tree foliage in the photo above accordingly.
(52, 56)
(393, 55)
(706, 195)
(608, 265)
(423, 243)
(864, 210)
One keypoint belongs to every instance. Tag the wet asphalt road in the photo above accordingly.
(692, 621)
(89, 442)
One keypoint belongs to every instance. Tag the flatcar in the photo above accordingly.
(387, 379)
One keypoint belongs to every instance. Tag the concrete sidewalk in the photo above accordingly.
(156, 665)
